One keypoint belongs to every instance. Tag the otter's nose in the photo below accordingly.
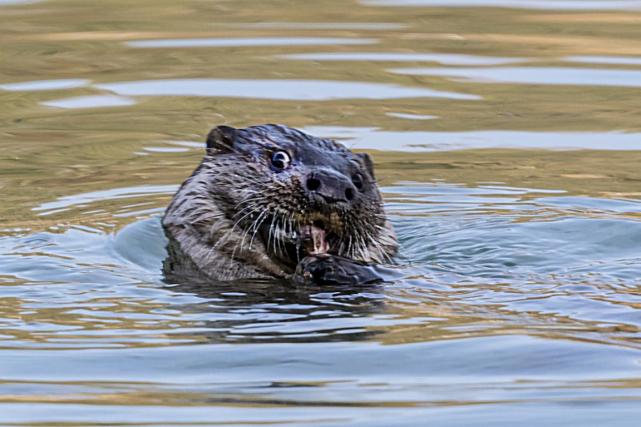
(331, 186)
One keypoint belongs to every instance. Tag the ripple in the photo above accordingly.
(515, 300)
(516, 4)
(188, 144)
(595, 204)
(478, 358)
(615, 60)
(39, 85)
(94, 101)
(112, 194)
(302, 90)
(441, 58)
(494, 231)
(375, 139)
(166, 149)
(249, 41)
(323, 25)
(534, 75)
(11, 2)
(411, 116)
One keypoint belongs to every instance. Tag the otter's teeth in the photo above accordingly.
(313, 240)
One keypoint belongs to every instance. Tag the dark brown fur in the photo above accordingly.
(237, 217)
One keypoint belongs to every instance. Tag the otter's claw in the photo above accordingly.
(328, 269)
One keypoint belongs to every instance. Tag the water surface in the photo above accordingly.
(507, 144)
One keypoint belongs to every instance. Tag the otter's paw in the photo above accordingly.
(325, 269)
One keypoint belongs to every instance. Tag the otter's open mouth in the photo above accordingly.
(313, 239)
(319, 234)
(315, 234)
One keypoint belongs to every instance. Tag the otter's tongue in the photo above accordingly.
(313, 240)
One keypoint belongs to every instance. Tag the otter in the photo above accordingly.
(267, 197)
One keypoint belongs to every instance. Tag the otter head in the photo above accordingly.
(297, 194)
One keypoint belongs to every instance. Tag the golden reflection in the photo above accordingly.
(50, 158)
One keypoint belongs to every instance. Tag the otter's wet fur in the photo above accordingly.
(240, 212)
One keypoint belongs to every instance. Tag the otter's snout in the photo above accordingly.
(330, 185)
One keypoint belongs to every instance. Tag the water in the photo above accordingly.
(507, 141)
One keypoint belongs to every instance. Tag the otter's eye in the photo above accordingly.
(357, 180)
(280, 160)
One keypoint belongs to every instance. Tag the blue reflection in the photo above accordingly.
(303, 90)
(534, 75)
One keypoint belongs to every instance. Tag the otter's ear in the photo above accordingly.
(369, 164)
(221, 139)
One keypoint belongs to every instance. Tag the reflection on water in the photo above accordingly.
(441, 58)
(535, 75)
(376, 139)
(45, 85)
(605, 60)
(84, 199)
(237, 42)
(526, 4)
(516, 294)
(90, 102)
(378, 26)
(304, 90)
(9, 2)
(411, 116)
